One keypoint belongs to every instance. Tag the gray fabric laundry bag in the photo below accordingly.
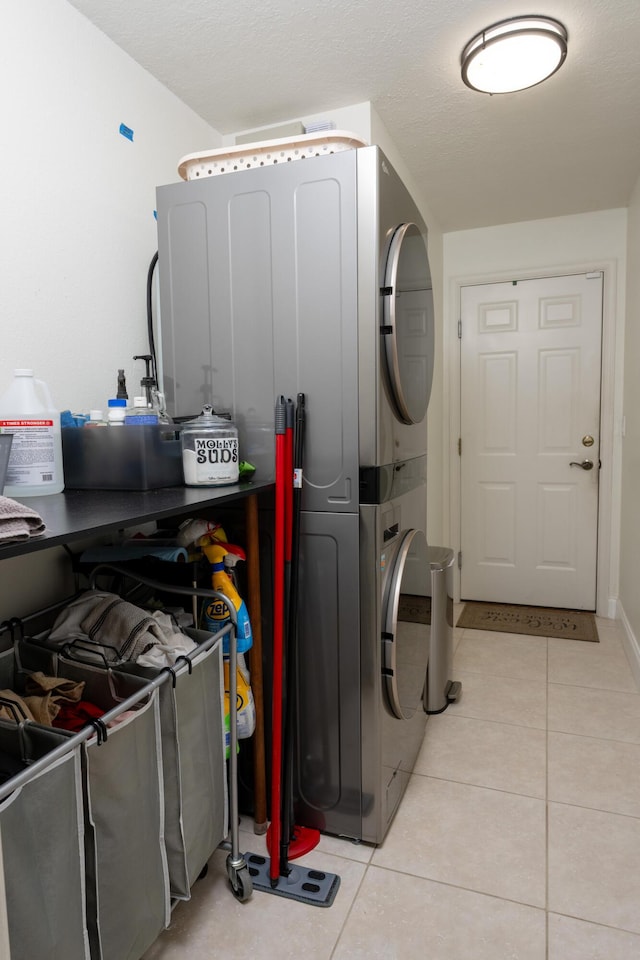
(42, 881)
(193, 759)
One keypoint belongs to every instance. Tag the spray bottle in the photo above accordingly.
(223, 558)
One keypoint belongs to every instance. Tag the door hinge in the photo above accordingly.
(459, 559)
(459, 446)
(459, 329)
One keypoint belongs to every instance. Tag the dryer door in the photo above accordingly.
(407, 330)
(406, 625)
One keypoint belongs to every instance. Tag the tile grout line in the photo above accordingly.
(459, 886)
(481, 786)
(350, 910)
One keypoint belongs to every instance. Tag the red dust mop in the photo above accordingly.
(276, 874)
(295, 841)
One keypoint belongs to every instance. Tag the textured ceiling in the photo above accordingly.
(567, 146)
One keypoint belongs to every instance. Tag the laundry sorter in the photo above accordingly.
(144, 800)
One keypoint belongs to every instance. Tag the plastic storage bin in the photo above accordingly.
(210, 163)
(440, 689)
(5, 451)
(138, 457)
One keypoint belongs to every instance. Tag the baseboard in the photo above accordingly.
(631, 645)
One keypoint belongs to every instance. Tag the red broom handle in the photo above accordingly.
(288, 481)
(278, 634)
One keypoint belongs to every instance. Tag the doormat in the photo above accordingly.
(535, 621)
(414, 609)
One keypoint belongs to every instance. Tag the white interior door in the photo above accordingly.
(530, 418)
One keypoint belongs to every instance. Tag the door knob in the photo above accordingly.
(586, 464)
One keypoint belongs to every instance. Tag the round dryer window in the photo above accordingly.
(408, 323)
(407, 627)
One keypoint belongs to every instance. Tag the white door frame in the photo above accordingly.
(609, 492)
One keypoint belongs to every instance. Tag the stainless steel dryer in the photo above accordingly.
(312, 276)
(395, 316)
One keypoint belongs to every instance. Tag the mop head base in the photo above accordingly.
(303, 840)
(314, 887)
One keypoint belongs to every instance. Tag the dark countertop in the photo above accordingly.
(77, 514)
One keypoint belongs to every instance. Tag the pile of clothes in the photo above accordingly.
(51, 701)
(109, 631)
(120, 631)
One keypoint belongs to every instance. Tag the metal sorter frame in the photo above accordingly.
(237, 869)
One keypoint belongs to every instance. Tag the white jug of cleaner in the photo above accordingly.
(27, 411)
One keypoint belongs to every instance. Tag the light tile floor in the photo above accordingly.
(518, 836)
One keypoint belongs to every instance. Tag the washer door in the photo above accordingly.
(406, 626)
(408, 323)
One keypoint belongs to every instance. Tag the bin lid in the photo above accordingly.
(440, 557)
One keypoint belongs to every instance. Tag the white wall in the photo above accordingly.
(78, 199)
(593, 241)
(355, 118)
(629, 607)
(77, 205)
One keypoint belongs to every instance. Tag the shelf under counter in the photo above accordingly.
(77, 514)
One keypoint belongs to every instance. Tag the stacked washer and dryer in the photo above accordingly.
(312, 276)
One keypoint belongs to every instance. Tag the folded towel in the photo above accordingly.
(18, 522)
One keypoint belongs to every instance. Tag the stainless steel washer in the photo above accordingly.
(395, 637)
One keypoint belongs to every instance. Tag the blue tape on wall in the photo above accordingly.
(126, 131)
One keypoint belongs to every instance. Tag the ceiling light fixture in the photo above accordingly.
(514, 54)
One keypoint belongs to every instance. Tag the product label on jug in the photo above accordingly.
(214, 460)
(32, 459)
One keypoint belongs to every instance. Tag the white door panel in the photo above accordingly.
(530, 393)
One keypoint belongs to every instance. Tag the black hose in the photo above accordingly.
(152, 346)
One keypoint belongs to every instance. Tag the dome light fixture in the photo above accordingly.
(514, 54)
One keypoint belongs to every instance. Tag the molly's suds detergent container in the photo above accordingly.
(27, 411)
(209, 450)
